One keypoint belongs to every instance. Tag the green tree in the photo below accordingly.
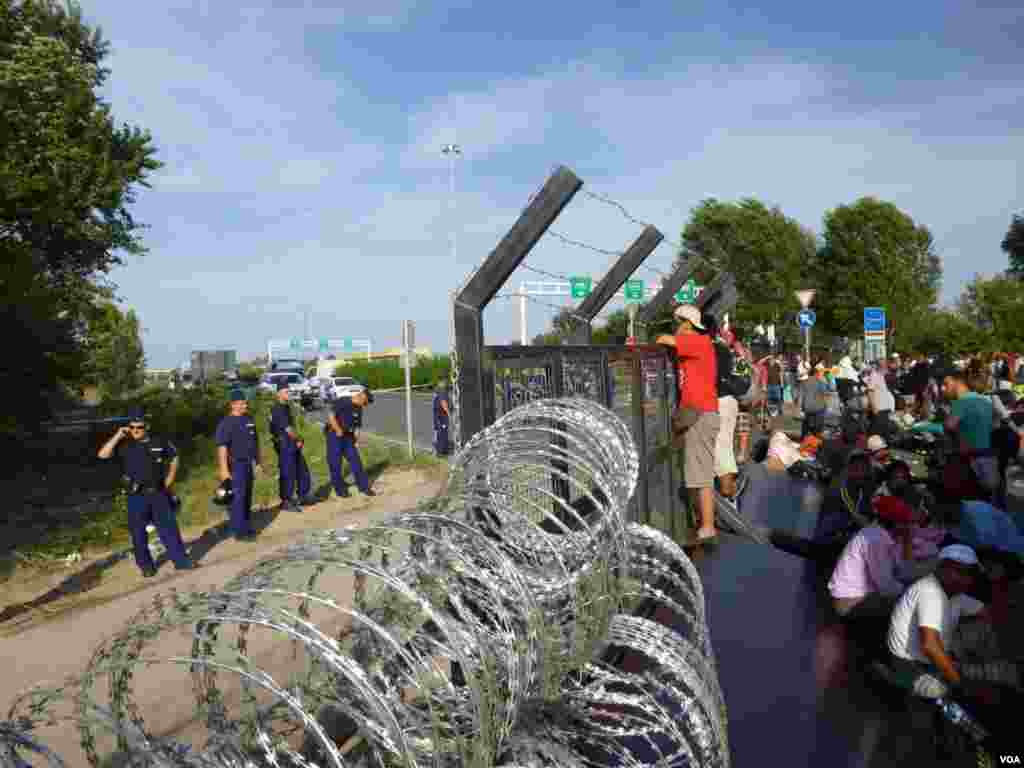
(614, 330)
(767, 252)
(996, 306)
(562, 326)
(117, 362)
(67, 178)
(874, 254)
(1013, 247)
(942, 332)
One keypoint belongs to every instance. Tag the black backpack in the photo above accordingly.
(729, 382)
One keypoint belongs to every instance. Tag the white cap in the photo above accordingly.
(959, 553)
(876, 443)
(691, 313)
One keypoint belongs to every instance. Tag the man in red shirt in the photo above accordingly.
(698, 389)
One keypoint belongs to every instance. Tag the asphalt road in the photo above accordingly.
(386, 418)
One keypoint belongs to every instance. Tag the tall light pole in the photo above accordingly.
(452, 152)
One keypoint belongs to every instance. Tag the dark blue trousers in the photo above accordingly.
(241, 503)
(442, 444)
(343, 446)
(155, 508)
(294, 469)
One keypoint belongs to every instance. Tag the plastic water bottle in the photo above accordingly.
(1015, 494)
(959, 717)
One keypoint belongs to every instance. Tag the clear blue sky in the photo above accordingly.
(302, 142)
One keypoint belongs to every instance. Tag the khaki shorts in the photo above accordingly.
(699, 452)
(725, 454)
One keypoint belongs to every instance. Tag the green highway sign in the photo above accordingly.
(324, 346)
(634, 291)
(294, 344)
(688, 293)
(348, 345)
(580, 287)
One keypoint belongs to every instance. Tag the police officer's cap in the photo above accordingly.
(282, 385)
(236, 395)
(136, 415)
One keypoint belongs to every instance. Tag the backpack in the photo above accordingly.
(730, 383)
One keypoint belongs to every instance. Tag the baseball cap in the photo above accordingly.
(136, 415)
(691, 313)
(876, 443)
(236, 395)
(894, 509)
(282, 385)
(810, 445)
(959, 553)
(819, 367)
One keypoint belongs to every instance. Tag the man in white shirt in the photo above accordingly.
(880, 399)
(927, 653)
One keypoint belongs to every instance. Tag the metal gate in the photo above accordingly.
(637, 383)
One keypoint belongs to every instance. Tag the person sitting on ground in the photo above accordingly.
(867, 578)
(928, 533)
(878, 451)
(784, 453)
(846, 507)
(932, 650)
(969, 424)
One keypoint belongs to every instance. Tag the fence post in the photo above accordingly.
(470, 302)
(640, 434)
(665, 294)
(613, 280)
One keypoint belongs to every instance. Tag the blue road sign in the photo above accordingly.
(806, 318)
(874, 319)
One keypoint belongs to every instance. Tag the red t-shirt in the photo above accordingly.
(698, 372)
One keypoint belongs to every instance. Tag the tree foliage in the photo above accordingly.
(1013, 247)
(874, 255)
(995, 306)
(767, 252)
(68, 175)
(116, 360)
(942, 333)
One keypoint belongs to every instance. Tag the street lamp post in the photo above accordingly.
(452, 152)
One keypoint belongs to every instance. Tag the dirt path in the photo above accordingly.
(50, 643)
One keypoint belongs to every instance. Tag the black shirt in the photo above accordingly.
(280, 420)
(146, 461)
(238, 433)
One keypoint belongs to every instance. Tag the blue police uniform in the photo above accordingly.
(145, 464)
(238, 434)
(346, 416)
(441, 422)
(294, 470)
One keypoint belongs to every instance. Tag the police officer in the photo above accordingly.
(340, 429)
(291, 461)
(442, 418)
(238, 448)
(150, 464)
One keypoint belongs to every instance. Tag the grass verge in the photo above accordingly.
(106, 528)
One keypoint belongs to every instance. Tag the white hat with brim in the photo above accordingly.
(959, 553)
(691, 314)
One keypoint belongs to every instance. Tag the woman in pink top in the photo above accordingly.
(870, 574)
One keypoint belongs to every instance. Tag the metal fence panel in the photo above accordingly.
(637, 383)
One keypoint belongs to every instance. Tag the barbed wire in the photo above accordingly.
(544, 273)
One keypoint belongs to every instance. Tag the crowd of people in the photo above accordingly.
(905, 556)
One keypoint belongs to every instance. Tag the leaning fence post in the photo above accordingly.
(470, 302)
(613, 280)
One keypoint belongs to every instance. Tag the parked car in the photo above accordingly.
(297, 386)
(344, 386)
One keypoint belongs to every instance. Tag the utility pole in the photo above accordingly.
(452, 152)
